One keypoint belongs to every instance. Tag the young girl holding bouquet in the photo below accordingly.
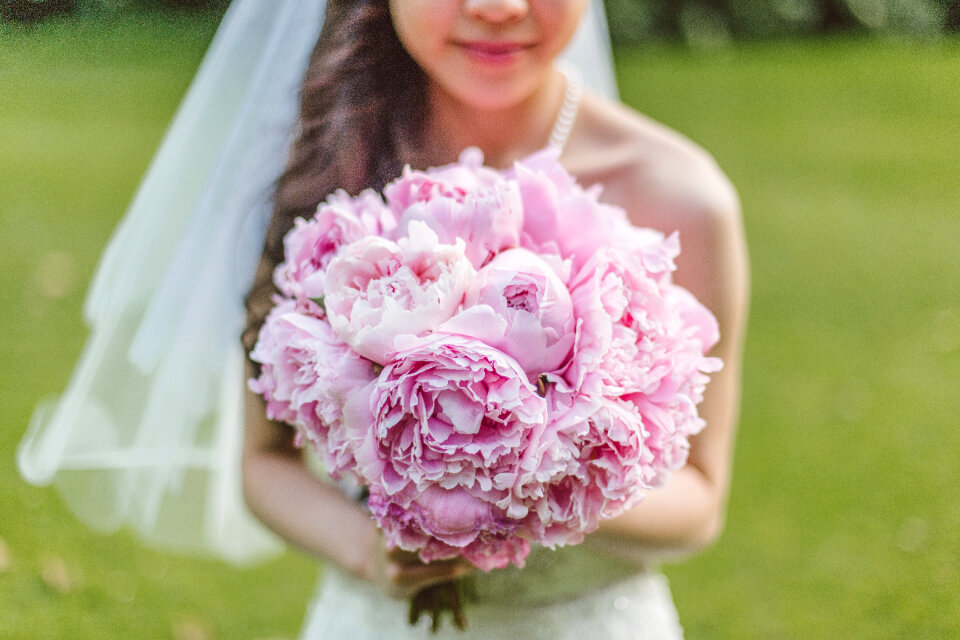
(390, 83)
(415, 82)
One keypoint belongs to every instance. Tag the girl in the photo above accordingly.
(415, 82)
(145, 430)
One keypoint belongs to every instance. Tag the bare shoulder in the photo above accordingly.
(660, 177)
(668, 183)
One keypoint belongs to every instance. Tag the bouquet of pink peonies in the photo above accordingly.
(498, 357)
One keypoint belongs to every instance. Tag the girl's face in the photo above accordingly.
(488, 54)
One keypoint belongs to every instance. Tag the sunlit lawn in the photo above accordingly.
(844, 518)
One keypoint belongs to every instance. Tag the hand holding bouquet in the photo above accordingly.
(498, 357)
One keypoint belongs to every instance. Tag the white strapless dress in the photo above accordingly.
(572, 593)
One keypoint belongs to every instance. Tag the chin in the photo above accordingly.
(497, 95)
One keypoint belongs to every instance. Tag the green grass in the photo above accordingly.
(844, 516)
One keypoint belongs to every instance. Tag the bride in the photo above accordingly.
(389, 83)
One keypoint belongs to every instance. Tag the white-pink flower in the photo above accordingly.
(518, 304)
(377, 289)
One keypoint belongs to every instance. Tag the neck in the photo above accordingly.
(504, 135)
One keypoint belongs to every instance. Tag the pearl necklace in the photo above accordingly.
(571, 103)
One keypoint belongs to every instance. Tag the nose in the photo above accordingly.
(497, 10)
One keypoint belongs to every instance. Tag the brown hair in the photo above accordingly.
(362, 107)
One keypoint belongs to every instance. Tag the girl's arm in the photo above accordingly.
(318, 518)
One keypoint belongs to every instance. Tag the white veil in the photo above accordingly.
(149, 430)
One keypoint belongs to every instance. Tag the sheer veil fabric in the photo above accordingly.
(148, 432)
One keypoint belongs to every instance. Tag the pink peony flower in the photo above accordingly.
(518, 304)
(454, 413)
(311, 244)
(306, 377)
(552, 455)
(487, 214)
(617, 458)
(643, 339)
(453, 181)
(459, 524)
(377, 290)
(670, 413)
(701, 325)
(626, 330)
(601, 466)
(562, 217)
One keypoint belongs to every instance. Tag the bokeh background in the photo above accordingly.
(839, 122)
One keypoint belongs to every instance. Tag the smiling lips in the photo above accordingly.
(497, 53)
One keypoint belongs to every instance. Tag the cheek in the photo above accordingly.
(422, 25)
(560, 18)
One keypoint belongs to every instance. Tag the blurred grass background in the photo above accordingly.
(844, 517)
